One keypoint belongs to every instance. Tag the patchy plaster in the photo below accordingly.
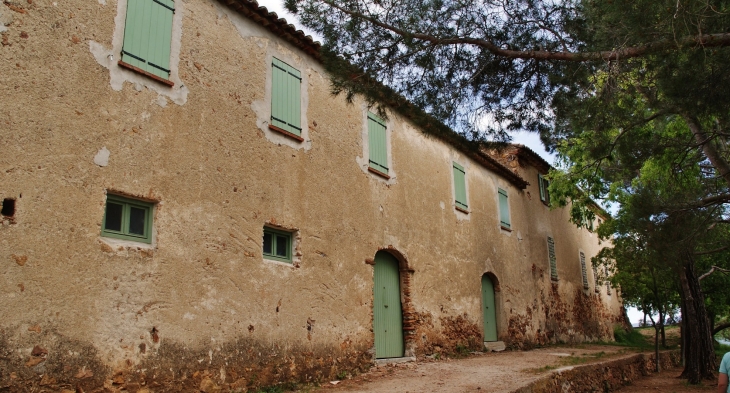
(286, 53)
(363, 162)
(108, 58)
(6, 18)
(102, 157)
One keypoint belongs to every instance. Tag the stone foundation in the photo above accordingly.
(602, 377)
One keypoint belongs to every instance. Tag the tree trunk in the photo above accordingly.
(708, 147)
(661, 327)
(683, 328)
(656, 347)
(697, 337)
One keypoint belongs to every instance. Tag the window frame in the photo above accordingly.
(583, 269)
(377, 137)
(286, 90)
(462, 206)
(543, 186)
(289, 258)
(552, 259)
(124, 234)
(504, 209)
(134, 27)
(596, 283)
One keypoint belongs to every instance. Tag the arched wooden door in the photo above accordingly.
(488, 309)
(387, 313)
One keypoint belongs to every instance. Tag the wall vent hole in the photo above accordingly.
(8, 207)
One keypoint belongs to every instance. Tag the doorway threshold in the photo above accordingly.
(382, 362)
(494, 346)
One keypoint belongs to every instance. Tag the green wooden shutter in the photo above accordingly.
(377, 143)
(286, 97)
(148, 34)
(503, 209)
(583, 270)
(595, 279)
(460, 186)
(553, 260)
(543, 185)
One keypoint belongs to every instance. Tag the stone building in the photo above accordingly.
(184, 202)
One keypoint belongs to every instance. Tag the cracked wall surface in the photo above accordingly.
(200, 300)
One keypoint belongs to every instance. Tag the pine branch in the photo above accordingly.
(699, 40)
(714, 268)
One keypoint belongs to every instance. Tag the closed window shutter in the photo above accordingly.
(286, 97)
(503, 209)
(377, 143)
(583, 270)
(460, 186)
(543, 185)
(595, 278)
(551, 257)
(147, 35)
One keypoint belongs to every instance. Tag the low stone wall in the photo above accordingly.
(602, 377)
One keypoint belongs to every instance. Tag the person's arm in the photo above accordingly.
(722, 383)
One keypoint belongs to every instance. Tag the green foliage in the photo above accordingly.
(630, 338)
(721, 349)
(461, 351)
(725, 333)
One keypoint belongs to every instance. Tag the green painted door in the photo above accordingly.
(490, 314)
(387, 315)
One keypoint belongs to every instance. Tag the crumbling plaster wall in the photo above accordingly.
(571, 313)
(201, 302)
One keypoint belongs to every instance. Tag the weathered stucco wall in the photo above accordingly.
(201, 303)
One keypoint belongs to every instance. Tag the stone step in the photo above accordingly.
(382, 362)
(496, 346)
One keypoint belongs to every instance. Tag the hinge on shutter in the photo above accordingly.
(133, 56)
(158, 67)
(287, 71)
(289, 124)
(165, 5)
(377, 164)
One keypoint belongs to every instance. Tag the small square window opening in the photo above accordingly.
(277, 245)
(127, 219)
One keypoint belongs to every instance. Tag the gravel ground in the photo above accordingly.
(489, 372)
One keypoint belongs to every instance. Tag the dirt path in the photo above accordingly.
(667, 381)
(489, 372)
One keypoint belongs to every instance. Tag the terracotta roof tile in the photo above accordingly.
(279, 26)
